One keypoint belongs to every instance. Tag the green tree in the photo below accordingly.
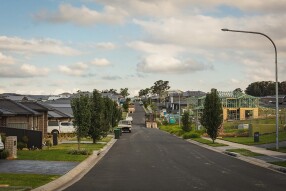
(186, 122)
(144, 92)
(125, 105)
(124, 92)
(212, 115)
(160, 87)
(107, 115)
(116, 114)
(82, 116)
(97, 116)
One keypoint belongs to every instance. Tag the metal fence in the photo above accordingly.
(35, 138)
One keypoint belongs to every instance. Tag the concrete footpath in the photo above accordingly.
(263, 161)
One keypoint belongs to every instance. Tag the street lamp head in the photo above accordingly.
(225, 29)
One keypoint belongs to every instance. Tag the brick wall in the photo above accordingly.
(11, 146)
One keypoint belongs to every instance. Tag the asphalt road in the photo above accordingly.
(149, 159)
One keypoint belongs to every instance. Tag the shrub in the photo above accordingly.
(178, 132)
(48, 143)
(79, 152)
(190, 135)
(165, 122)
(4, 154)
(21, 145)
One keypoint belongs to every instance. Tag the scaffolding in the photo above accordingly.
(236, 105)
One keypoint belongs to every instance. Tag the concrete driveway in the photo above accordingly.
(36, 167)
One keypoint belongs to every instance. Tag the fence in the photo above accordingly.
(34, 137)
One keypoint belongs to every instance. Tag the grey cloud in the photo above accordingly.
(111, 78)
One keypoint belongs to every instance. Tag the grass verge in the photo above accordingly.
(281, 149)
(25, 180)
(263, 139)
(58, 153)
(207, 142)
(245, 152)
(283, 163)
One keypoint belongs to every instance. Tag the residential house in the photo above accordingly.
(17, 115)
(42, 118)
(236, 105)
(59, 110)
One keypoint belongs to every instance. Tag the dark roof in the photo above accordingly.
(56, 114)
(15, 107)
(59, 101)
(18, 97)
(4, 112)
(35, 106)
(64, 110)
(193, 93)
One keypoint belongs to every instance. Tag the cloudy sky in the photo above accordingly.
(56, 46)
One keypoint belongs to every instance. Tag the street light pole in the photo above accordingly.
(276, 77)
(179, 110)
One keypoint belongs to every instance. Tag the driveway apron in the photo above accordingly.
(36, 167)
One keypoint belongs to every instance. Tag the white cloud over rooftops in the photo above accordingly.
(83, 16)
(6, 60)
(100, 62)
(42, 46)
(169, 65)
(106, 45)
(23, 71)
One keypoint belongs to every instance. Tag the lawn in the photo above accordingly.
(25, 180)
(58, 152)
(245, 152)
(281, 149)
(263, 139)
(279, 163)
(210, 143)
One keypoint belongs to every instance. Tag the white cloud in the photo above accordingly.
(174, 8)
(83, 15)
(77, 69)
(23, 71)
(108, 77)
(33, 70)
(100, 62)
(106, 45)
(6, 60)
(49, 46)
(165, 49)
(169, 65)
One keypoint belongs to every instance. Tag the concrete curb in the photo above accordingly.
(251, 160)
(78, 172)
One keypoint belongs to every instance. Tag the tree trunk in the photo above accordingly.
(78, 143)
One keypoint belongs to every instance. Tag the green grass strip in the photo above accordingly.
(263, 139)
(207, 142)
(245, 152)
(25, 180)
(283, 163)
(58, 153)
(281, 149)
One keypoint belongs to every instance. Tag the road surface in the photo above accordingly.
(150, 159)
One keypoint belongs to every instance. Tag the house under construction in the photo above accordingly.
(236, 105)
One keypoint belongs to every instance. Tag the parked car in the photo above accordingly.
(129, 118)
(1, 144)
(60, 127)
(125, 125)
